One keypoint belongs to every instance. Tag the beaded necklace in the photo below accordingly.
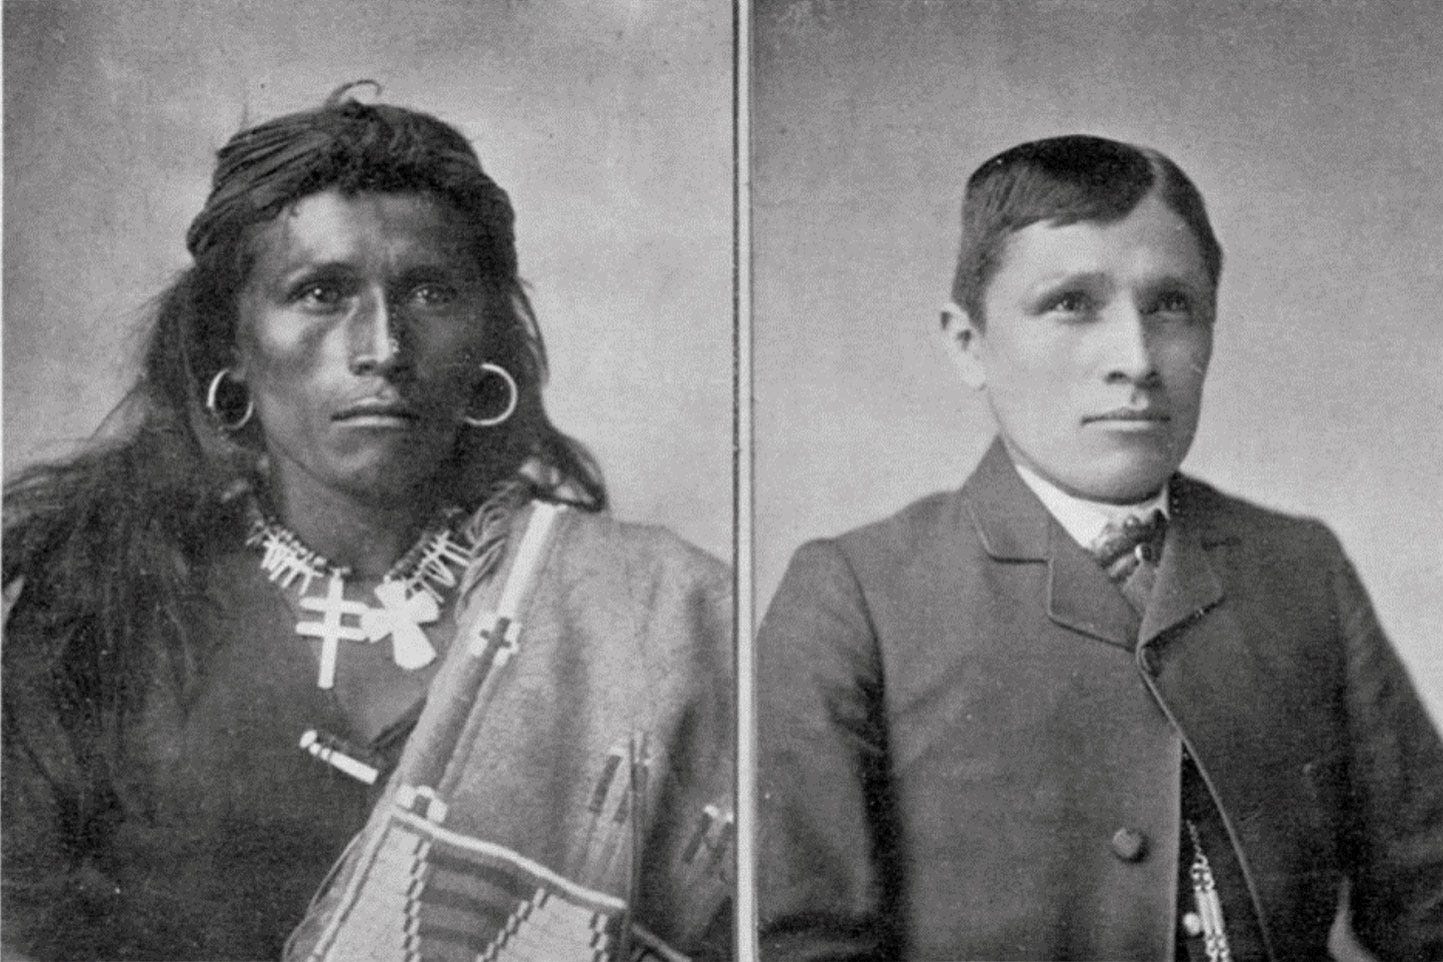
(453, 548)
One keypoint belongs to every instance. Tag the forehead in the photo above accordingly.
(363, 230)
(1152, 241)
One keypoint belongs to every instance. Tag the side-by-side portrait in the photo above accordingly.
(758, 480)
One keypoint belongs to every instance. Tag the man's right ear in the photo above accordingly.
(965, 344)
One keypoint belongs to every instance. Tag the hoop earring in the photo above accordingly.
(513, 398)
(212, 395)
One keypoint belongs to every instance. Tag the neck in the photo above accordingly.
(367, 535)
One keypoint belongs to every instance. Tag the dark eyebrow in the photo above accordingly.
(423, 271)
(442, 270)
(1055, 282)
(287, 282)
(1175, 280)
(320, 270)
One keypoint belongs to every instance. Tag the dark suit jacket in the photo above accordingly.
(959, 712)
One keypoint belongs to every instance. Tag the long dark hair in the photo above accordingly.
(112, 547)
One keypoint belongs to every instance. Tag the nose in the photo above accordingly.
(374, 338)
(1129, 358)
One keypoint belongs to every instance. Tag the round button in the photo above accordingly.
(1192, 924)
(1129, 844)
(1151, 661)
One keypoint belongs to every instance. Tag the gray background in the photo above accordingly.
(609, 123)
(1315, 131)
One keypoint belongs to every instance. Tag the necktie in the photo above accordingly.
(1129, 549)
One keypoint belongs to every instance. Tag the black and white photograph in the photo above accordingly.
(759, 480)
(1098, 431)
(368, 409)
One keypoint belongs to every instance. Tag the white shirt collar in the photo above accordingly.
(1084, 520)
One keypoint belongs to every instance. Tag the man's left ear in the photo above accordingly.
(964, 343)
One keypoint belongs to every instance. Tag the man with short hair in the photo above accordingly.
(1087, 707)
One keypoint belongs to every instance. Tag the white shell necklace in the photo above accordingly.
(410, 594)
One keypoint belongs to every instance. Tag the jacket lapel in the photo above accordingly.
(1186, 585)
(1015, 527)
(1083, 598)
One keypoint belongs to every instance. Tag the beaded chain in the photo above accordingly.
(456, 547)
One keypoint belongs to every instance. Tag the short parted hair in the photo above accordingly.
(1061, 181)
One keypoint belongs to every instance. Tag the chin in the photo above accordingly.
(393, 484)
(1129, 486)
(1117, 479)
(1127, 493)
(1110, 473)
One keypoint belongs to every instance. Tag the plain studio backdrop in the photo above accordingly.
(610, 124)
(1315, 132)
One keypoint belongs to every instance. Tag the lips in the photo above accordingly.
(1127, 415)
(377, 409)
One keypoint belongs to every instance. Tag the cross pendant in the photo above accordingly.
(331, 630)
(401, 616)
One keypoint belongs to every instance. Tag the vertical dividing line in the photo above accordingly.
(746, 901)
